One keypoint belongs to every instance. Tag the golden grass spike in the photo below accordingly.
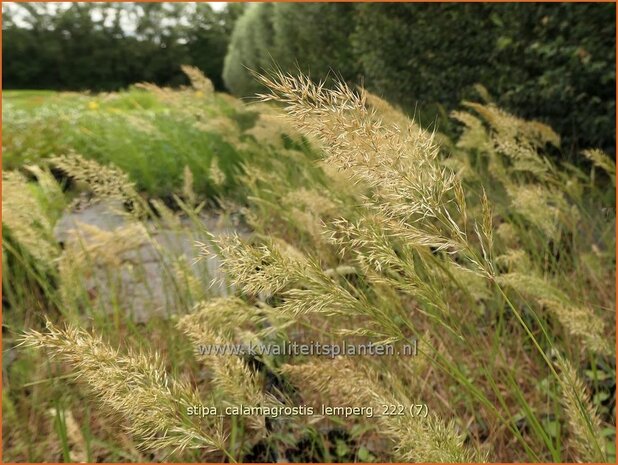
(105, 181)
(581, 322)
(198, 80)
(508, 126)
(187, 279)
(96, 245)
(474, 136)
(542, 207)
(26, 218)
(256, 269)
(216, 174)
(188, 193)
(50, 187)
(235, 381)
(168, 217)
(433, 440)
(134, 386)
(603, 161)
(401, 166)
(387, 112)
(514, 260)
(231, 316)
(345, 382)
(583, 419)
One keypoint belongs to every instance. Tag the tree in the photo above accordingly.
(250, 48)
(208, 38)
(309, 37)
(83, 46)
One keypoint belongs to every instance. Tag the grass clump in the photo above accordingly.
(497, 263)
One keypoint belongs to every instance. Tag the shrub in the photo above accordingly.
(553, 62)
(549, 62)
(303, 37)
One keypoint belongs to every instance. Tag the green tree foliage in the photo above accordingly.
(85, 46)
(313, 37)
(567, 70)
(423, 53)
(552, 62)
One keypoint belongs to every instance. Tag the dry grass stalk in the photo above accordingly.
(78, 452)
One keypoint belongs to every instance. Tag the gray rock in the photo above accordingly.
(142, 280)
(107, 216)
